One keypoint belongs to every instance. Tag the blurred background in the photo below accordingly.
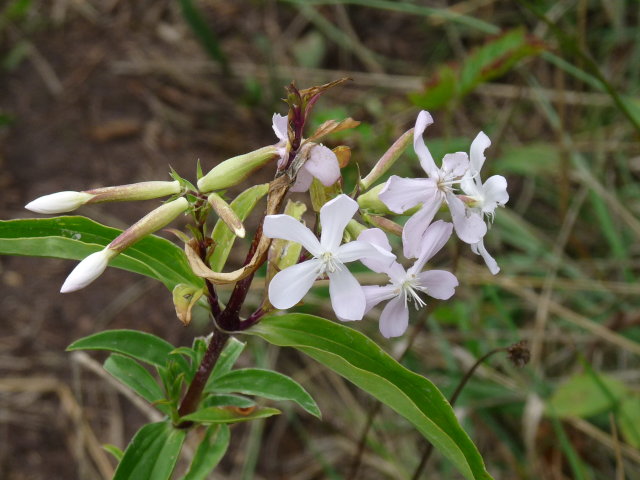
(105, 92)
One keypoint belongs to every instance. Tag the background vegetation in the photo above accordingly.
(102, 92)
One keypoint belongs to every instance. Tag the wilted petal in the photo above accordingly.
(347, 297)
(334, 216)
(394, 319)
(357, 250)
(432, 241)
(440, 284)
(87, 270)
(291, 284)
(426, 160)
(323, 164)
(374, 294)
(415, 227)
(495, 193)
(470, 229)
(400, 194)
(479, 249)
(280, 124)
(288, 228)
(455, 165)
(476, 152)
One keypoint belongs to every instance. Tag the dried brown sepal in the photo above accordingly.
(343, 154)
(332, 126)
(226, 214)
(519, 354)
(277, 190)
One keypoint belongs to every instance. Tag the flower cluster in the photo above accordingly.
(303, 164)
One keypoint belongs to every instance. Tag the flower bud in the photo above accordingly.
(88, 270)
(151, 222)
(236, 169)
(387, 160)
(371, 203)
(134, 191)
(226, 214)
(59, 202)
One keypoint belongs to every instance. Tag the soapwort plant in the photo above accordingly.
(197, 388)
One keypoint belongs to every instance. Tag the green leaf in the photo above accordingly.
(209, 453)
(228, 357)
(584, 395)
(152, 454)
(139, 345)
(358, 359)
(76, 237)
(629, 420)
(227, 400)
(267, 384)
(113, 450)
(228, 415)
(223, 237)
(136, 377)
(439, 91)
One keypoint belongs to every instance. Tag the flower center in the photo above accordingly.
(329, 263)
(409, 289)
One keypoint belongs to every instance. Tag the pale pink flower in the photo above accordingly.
(405, 286)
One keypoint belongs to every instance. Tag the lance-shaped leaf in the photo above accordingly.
(228, 357)
(358, 359)
(229, 415)
(210, 451)
(139, 345)
(75, 237)
(152, 454)
(267, 384)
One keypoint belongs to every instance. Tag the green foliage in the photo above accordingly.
(629, 420)
(267, 384)
(203, 32)
(152, 454)
(584, 395)
(75, 237)
(453, 82)
(214, 415)
(358, 359)
(210, 451)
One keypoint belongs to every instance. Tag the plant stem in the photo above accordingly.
(194, 392)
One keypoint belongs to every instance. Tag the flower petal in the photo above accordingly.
(59, 202)
(334, 216)
(87, 270)
(357, 250)
(415, 227)
(433, 240)
(476, 152)
(455, 165)
(374, 294)
(426, 160)
(439, 284)
(280, 125)
(376, 237)
(323, 164)
(291, 284)
(347, 297)
(288, 228)
(495, 193)
(303, 180)
(394, 319)
(470, 229)
(479, 249)
(400, 194)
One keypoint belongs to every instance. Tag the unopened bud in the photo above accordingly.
(134, 191)
(387, 160)
(371, 203)
(150, 223)
(383, 223)
(236, 169)
(88, 270)
(354, 229)
(226, 214)
(59, 202)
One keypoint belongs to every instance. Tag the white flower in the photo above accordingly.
(483, 199)
(401, 194)
(59, 202)
(406, 285)
(88, 270)
(290, 285)
(321, 162)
